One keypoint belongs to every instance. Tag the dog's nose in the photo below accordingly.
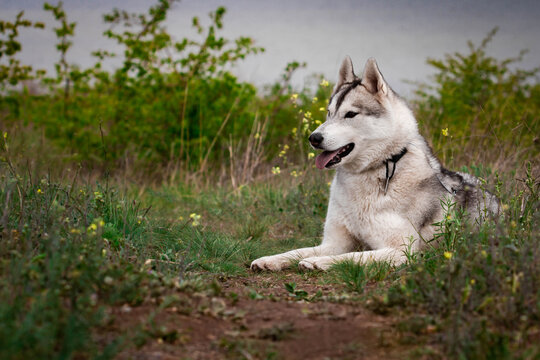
(316, 139)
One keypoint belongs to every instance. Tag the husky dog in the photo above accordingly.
(388, 187)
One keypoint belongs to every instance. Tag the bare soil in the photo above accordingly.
(255, 317)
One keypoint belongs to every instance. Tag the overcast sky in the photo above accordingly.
(399, 34)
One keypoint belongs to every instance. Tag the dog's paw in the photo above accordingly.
(316, 263)
(305, 265)
(269, 263)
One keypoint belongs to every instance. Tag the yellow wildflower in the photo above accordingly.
(448, 254)
(324, 83)
(322, 108)
(294, 97)
(195, 219)
(39, 191)
(92, 227)
(294, 173)
(98, 195)
(315, 99)
(257, 135)
(310, 155)
(294, 131)
(444, 132)
(276, 170)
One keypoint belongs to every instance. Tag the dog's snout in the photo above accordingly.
(316, 139)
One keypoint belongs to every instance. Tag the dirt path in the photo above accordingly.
(257, 318)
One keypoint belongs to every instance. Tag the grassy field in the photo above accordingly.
(95, 270)
(132, 202)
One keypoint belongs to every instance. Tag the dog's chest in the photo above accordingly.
(360, 206)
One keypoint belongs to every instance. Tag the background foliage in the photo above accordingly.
(173, 104)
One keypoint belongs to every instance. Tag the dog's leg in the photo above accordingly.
(337, 240)
(282, 261)
(392, 255)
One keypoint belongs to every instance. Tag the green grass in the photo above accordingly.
(238, 226)
(356, 276)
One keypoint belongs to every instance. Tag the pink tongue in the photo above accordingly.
(324, 158)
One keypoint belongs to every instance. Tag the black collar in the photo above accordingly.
(394, 159)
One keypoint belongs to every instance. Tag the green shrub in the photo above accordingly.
(166, 102)
(479, 103)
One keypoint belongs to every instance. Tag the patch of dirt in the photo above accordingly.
(255, 318)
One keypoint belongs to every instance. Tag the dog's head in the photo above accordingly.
(364, 117)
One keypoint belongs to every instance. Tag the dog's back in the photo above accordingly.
(470, 195)
(467, 191)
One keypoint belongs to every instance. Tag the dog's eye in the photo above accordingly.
(350, 114)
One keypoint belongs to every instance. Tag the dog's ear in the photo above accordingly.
(346, 73)
(373, 80)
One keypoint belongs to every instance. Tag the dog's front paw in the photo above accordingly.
(316, 263)
(270, 263)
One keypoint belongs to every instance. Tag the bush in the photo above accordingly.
(478, 103)
(167, 102)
